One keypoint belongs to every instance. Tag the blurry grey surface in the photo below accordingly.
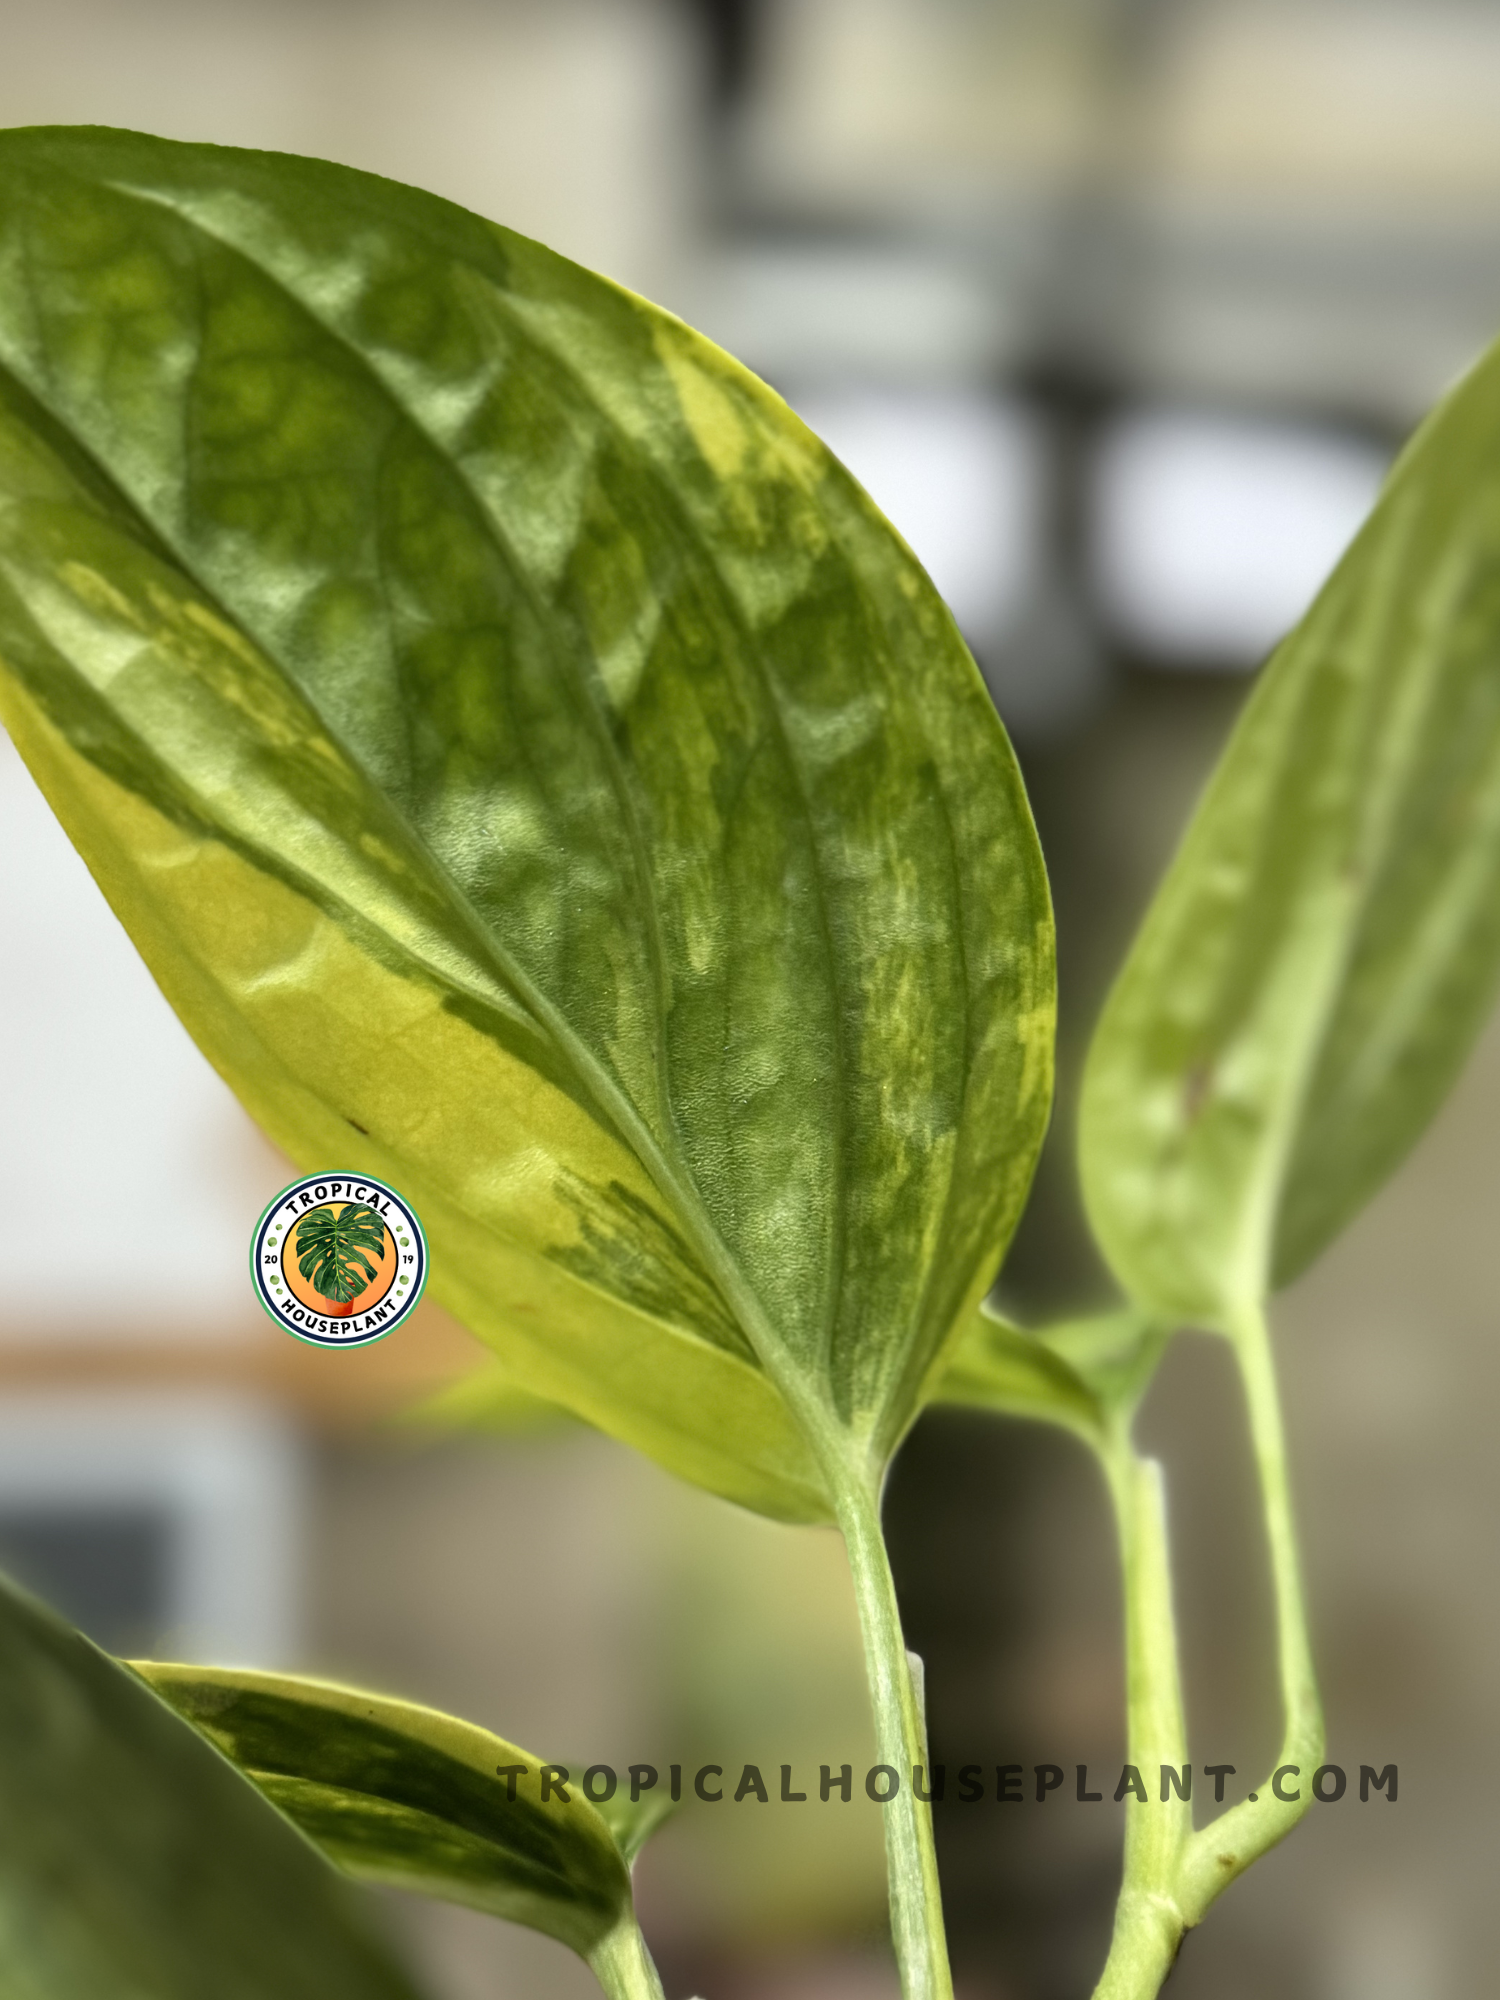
(106, 1569)
(1213, 534)
(166, 1523)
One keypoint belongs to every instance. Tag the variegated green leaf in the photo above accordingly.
(134, 1862)
(1077, 1373)
(401, 1794)
(997, 1366)
(632, 1817)
(537, 776)
(1325, 947)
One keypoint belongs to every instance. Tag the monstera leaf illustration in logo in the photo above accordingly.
(332, 1246)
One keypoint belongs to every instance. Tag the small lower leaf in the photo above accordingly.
(488, 1398)
(632, 1821)
(1115, 1353)
(999, 1367)
(1078, 1373)
(396, 1793)
(135, 1864)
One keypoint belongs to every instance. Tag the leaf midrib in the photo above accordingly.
(620, 1113)
(379, 1803)
(755, 1320)
(917, 1367)
(663, 1159)
(493, 531)
(1368, 826)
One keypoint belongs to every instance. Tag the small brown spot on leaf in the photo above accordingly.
(1196, 1087)
(358, 1127)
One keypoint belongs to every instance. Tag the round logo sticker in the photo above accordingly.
(338, 1259)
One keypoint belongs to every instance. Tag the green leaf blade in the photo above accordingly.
(397, 1793)
(633, 1821)
(1000, 1368)
(1421, 973)
(1325, 946)
(487, 1398)
(488, 640)
(1085, 1375)
(133, 1860)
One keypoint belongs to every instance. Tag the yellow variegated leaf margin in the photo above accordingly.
(134, 1861)
(400, 1794)
(1325, 946)
(536, 774)
(630, 1371)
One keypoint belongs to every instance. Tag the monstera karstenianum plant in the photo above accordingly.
(429, 644)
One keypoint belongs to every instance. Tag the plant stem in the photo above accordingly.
(900, 1738)
(1225, 1849)
(623, 1966)
(1149, 1921)
(1173, 1874)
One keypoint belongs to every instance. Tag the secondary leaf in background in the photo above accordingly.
(996, 1366)
(134, 1861)
(1077, 1373)
(1324, 948)
(432, 647)
(488, 1398)
(401, 1794)
(633, 1821)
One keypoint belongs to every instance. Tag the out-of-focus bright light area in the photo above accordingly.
(958, 474)
(1212, 534)
(109, 1095)
(1119, 308)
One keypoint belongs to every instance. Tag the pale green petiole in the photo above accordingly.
(1149, 1921)
(623, 1966)
(900, 1738)
(1172, 1874)
(1220, 1852)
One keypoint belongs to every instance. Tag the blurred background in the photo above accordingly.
(1120, 308)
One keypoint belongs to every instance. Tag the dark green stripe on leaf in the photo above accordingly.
(401, 1794)
(134, 1861)
(495, 674)
(1324, 949)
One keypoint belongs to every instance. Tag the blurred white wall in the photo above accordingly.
(1212, 534)
(566, 119)
(220, 1478)
(115, 1127)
